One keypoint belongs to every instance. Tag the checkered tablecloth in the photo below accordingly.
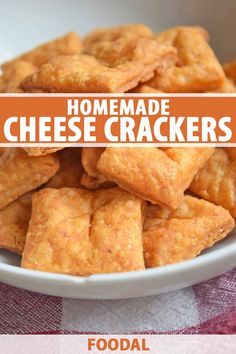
(209, 307)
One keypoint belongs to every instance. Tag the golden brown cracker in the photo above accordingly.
(172, 237)
(74, 231)
(71, 170)
(216, 182)
(14, 220)
(197, 69)
(153, 174)
(68, 44)
(86, 74)
(58, 236)
(116, 231)
(20, 173)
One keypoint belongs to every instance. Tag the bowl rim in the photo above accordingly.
(221, 252)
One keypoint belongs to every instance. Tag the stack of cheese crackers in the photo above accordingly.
(103, 210)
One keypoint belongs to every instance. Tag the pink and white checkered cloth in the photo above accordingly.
(209, 307)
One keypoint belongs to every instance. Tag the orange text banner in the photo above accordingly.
(117, 119)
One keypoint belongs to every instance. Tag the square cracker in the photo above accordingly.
(20, 173)
(74, 231)
(197, 69)
(174, 236)
(68, 44)
(118, 68)
(14, 221)
(216, 182)
(158, 175)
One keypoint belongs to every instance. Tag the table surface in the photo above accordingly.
(209, 307)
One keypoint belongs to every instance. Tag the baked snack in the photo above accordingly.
(175, 236)
(57, 205)
(216, 181)
(20, 173)
(158, 175)
(74, 231)
(197, 68)
(119, 68)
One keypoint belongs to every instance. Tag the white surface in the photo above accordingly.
(24, 24)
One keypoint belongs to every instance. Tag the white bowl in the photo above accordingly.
(36, 22)
(215, 261)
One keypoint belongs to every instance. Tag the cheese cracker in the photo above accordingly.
(197, 69)
(119, 69)
(74, 231)
(216, 182)
(160, 176)
(175, 236)
(20, 173)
